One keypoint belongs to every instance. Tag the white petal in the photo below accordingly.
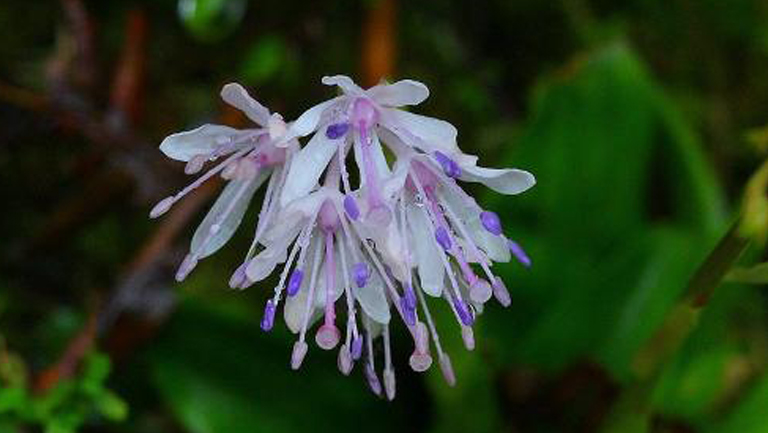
(372, 299)
(379, 161)
(183, 146)
(309, 120)
(505, 181)
(345, 83)
(264, 263)
(225, 215)
(401, 93)
(236, 96)
(426, 254)
(307, 166)
(394, 183)
(427, 133)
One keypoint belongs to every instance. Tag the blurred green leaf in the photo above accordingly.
(622, 189)
(211, 20)
(749, 414)
(757, 274)
(267, 58)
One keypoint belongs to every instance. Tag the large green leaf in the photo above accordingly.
(625, 208)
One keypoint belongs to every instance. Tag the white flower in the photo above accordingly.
(246, 158)
(400, 238)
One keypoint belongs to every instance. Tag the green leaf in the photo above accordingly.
(622, 189)
(757, 274)
(211, 20)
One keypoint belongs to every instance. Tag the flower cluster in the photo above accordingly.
(389, 237)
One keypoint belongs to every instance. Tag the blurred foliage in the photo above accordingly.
(65, 407)
(643, 120)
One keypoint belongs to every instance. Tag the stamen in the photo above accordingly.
(370, 367)
(309, 306)
(298, 354)
(357, 347)
(501, 293)
(491, 222)
(239, 278)
(468, 335)
(361, 274)
(268, 321)
(519, 253)
(166, 203)
(420, 359)
(389, 371)
(450, 167)
(344, 360)
(350, 206)
(328, 336)
(445, 362)
(447, 368)
(187, 265)
(195, 164)
(294, 283)
(464, 314)
(480, 291)
(337, 130)
(442, 237)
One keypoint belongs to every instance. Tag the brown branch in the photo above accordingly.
(379, 44)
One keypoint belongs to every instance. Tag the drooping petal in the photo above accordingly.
(203, 140)
(307, 166)
(344, 83)
(225, 216)
(426, 133)
(236, 96)
(265, 262)
(505, 181)
(399, 94)
(372, 299)
(426, 254)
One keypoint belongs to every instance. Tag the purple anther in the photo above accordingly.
(268, 320)
(373, 380)
(357, 347)
(344, 360)
(450, 167)
(447, 369)
(298, 354)
(519, 253)
(409, 314)
(501, 293)
(442, 237)
(361, 274)
(350, 206)
(294, 283)
(410, 297)
(337, 130)
(491, 222)
(187, 265)
(239, 278)
(464, 314)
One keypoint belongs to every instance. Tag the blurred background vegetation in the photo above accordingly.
(643, 121)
